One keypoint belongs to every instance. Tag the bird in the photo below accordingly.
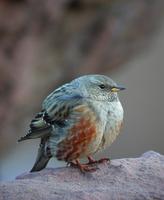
(77, 120)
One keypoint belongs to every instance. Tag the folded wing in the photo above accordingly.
(56, 109)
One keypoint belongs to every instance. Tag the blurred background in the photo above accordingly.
(44, 44)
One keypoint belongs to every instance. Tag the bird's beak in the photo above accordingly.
(117, 88)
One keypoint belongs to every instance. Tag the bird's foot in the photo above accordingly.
(93, 161)
(83, 167)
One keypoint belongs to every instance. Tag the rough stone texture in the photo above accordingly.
(130, 178)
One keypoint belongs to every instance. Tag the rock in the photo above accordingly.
(128, 178)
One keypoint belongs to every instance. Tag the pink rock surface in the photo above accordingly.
(129, 178)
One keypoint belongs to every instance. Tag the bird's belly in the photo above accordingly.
(86, 137)
(93, 145)
(110, 135)
(81, 138)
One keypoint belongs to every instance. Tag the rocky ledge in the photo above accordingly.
(129, 178)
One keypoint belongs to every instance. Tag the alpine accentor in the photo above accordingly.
(77, 120)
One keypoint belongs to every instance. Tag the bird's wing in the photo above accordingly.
(38, 128)
(55, 110)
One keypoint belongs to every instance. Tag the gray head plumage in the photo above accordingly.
(97, 87)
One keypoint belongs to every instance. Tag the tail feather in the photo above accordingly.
(42, 158)
(39, 128)
(40, 164)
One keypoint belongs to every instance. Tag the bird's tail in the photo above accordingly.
(40, 163)
(42, 159)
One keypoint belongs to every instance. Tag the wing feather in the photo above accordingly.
(56, 109)
(38, 128)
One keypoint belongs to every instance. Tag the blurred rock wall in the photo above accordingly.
(45, 43)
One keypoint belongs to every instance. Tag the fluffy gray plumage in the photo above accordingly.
(57, 108)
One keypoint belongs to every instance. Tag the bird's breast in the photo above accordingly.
(114, 122)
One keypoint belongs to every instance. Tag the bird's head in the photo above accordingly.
(98, 87)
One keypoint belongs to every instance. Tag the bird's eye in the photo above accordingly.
(102, 86)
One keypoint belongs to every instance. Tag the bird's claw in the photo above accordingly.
(83, 167)
(102, 160)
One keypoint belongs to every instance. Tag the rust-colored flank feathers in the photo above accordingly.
(79, 137)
